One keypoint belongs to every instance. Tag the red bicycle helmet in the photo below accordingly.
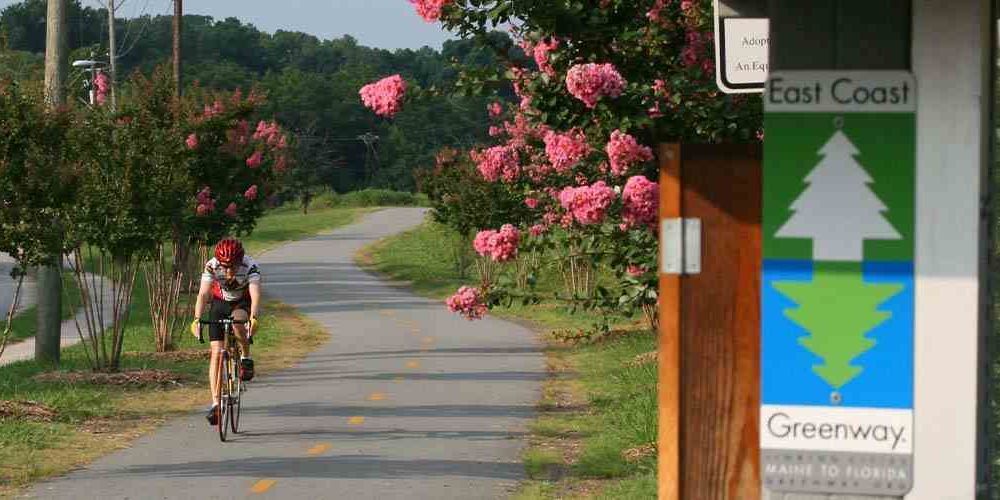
(229, 251)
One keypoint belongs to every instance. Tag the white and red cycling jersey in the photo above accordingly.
(231, 290)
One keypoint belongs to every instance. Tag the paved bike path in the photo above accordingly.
(407, 400)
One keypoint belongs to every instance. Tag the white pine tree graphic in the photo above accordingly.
(838, 210)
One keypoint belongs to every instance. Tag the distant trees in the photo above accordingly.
(311, 84)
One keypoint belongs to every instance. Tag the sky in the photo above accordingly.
(388, 24)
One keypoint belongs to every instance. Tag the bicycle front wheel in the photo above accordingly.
(225, 376)
(236, 395)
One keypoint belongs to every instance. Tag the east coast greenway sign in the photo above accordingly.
(837, 288)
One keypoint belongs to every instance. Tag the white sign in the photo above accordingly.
(741, 53)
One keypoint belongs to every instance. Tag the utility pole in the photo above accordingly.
(49, 289)
(111, 53)
(178, 26)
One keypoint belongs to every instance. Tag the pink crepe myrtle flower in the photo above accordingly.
(215, 109)
(482, 242)
(192, 141)
(501, 246)
(231, 210)
(251, 193)
(587, 204)
(281, 163)
(624, 151)
(430, 10)
(591, 82)
(497, 162)
(255, 159)
(505, 243)
(635, 270)
(384, 97)
(565, 151)
(531, 203)
(538, 230)
(541, 54)
(270, 134)
(494, 109)
(204, 196)
(640, 202)
(468, 302)
(655, 13)
(102, 85)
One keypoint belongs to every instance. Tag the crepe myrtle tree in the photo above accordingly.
(598, 83)
(38, 179)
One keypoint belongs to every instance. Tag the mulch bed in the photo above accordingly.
(26, 410)
(135, 378)
(644, 359)
(172, 356)
(639, 452)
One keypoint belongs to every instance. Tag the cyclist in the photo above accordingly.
(232, 280)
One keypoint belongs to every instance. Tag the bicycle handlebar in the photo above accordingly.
(223, 321)
(227, 321)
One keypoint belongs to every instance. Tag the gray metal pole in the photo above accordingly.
(49, 287)
(112, 53)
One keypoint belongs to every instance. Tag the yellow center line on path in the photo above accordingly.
(385, 312)
(262, 486)
(376, 396)
(356, 420)
(427, 340)
(413, 364)
(319, 449)
(398, 379)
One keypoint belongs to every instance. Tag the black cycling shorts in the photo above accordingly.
(221, 309)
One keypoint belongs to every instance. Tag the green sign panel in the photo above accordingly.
(837, 288)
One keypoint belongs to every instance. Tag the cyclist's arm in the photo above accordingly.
(254, 288)
(204, 292)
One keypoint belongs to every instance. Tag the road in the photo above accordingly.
(407, 400)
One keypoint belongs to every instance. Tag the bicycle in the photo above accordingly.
(230, 386)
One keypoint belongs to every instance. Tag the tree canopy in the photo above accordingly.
(312, 84)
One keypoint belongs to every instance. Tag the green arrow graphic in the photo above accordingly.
(837, 308)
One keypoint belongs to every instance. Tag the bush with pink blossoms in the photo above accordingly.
(640, 202)
(192, 141)
(251, 193)
(591, 82)
(624, 151)
(588, 204)
(468, 302)
(384, 97)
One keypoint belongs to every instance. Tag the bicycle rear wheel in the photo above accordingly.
(224, 385)
(236, 395)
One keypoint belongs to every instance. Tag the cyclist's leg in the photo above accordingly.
(218, 310)
(240, 332)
